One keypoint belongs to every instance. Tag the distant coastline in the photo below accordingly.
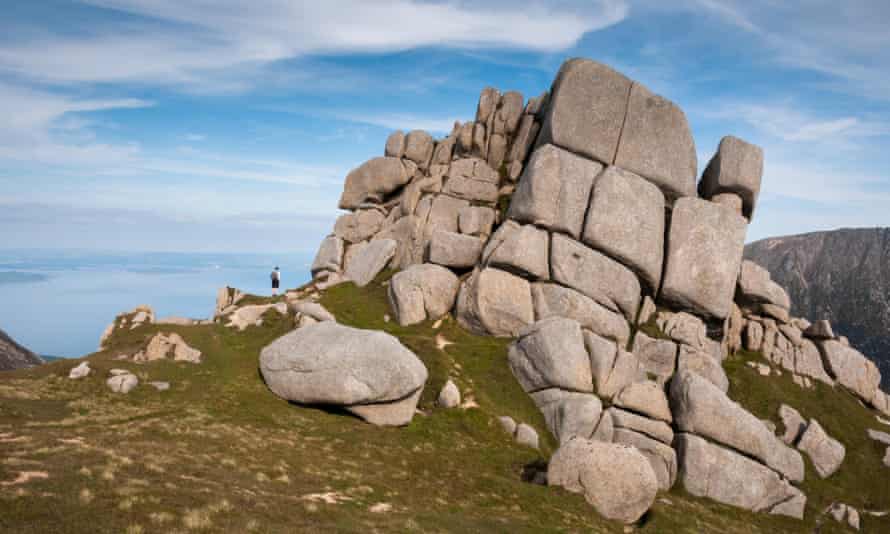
(20, 277)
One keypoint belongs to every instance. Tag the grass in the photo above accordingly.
(219, 453)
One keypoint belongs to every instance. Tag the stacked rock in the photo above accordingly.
(575, 224)
(427, 200)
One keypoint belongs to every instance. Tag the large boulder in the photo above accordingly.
(704, 250)
(656, 143)
(626, 221)
(683, 328)
(408, 233)
(552, 300)
(661, 457)
(395, 145)
(419, 148)
(737, 168)
(851, 369)
(755, 285)
(476, 220)
(569, 414)
(358, 226)
(554, 190)
(700, 407)
(551, 354)
(368, 259)
(658, 430)
(451, 249)
(617, 480)
(329, 256)
(422, 292)
(588, 104)
(595, 275)
(366, 372)
(520, 249)
(373, 179)
(808, 362)
(712, 471)
(495, 302)
(826, 453)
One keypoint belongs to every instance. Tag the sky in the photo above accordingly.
(227, 126)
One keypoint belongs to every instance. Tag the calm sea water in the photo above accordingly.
(58, 302)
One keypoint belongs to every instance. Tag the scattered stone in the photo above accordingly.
(880, 437)
(122, 383)
(826, 452)
(508, 424)
(449, 397)
(526, 436)
(368, 373)
(843, 513)
(160, 386)
(80, 371)
(163, 346)
(617, 480)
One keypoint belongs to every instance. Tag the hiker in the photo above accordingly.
(276, 280)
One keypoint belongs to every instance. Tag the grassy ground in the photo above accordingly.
(219, 453)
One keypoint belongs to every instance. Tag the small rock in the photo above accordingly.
(526, 435)
(122, 383)
(80, 371)
(880, 437)
(449, 397)
(508, 424)
(160, 386)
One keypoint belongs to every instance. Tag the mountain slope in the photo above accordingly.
(15, 356)
(843, 276)
(218, 452)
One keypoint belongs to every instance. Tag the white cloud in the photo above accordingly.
(214, 43)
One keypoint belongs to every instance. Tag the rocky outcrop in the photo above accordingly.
(163, 346)
(130, 320)
(15, 356)
(365, 372)
(823, 283)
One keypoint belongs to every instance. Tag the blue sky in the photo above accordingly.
(222, 125)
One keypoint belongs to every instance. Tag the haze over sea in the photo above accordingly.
(57, 302)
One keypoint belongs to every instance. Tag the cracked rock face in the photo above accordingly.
(367, 372)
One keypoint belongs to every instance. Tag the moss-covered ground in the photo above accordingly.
(219, 453)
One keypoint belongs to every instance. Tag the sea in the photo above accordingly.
(57, 303)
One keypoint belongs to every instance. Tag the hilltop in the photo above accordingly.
(15, 356)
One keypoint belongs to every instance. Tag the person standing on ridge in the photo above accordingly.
(276, 280)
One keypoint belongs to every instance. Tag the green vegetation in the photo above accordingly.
(219, 453)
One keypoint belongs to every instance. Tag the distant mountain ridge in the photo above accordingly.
(841, 275)
(15, 356)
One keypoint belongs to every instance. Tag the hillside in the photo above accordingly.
(15, 356)
(218, 453)
(843, 276)
(541, 322)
